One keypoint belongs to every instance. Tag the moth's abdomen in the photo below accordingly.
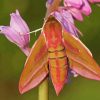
(58, 66)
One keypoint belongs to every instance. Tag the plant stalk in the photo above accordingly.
(43, 90)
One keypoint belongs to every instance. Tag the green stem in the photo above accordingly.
(43, 90)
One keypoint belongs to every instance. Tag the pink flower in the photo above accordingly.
(75, 7)
(17, 32)
(66, 20)
(82, 5)
(75, 13)
(79, 7)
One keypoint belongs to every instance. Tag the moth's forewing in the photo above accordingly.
(34, 71)
(83, 71)
(80, 57)
(35, 80)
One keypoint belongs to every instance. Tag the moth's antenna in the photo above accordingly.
(35, 31)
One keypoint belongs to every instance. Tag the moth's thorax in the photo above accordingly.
(53, 33)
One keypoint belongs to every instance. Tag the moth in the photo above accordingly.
(54, 53)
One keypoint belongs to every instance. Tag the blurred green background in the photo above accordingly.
(12, 59)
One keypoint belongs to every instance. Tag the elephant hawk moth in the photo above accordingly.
(54, 53)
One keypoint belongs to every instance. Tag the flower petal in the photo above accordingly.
(20, 26)
(26, 50)
(12, 35)
(86, 9)
(65, 18)
(94, 1)
(18, 23)
(76, 13)
(73, 3)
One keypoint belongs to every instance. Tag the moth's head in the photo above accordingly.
(51, 19)
(52, 24)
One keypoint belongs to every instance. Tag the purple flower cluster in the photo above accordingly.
(72, 9)
(79, 7)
